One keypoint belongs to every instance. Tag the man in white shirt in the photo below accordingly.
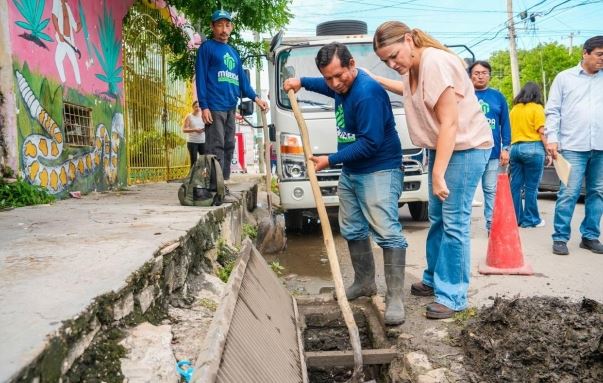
(574, 128)
(65, 27)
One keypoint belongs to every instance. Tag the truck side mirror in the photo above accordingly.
(289, 72)
(246, 107)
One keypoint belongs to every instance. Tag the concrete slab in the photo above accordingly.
(55, 259)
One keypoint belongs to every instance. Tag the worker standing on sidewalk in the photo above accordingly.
(220, 81)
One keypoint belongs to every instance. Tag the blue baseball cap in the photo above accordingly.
(220, 14)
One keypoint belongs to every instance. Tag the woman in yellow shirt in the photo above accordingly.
(527, 154)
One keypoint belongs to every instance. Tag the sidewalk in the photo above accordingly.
(55, 259)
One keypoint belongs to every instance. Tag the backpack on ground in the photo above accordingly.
(204, 185)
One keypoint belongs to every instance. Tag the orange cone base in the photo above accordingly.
(524, 270)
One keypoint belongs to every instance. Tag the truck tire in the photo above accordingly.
(419, 211)
(341, 27)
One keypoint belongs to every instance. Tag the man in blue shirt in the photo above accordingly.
(574, 128)
(495, 108)
(220, 80)
(371, 179)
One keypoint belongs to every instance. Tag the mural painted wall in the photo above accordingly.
(67, 62)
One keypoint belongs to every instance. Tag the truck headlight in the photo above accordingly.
(292, 156)
(293, 168)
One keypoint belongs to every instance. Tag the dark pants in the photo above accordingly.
(194, 149)
(220, 138)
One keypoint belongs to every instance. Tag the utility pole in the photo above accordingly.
(512, 49)
(571, 45)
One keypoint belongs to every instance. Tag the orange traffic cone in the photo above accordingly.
(504, 247)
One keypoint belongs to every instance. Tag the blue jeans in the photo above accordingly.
(527, 165)
(449, 238)
(589, 165)
(369, 203)
(489, 180)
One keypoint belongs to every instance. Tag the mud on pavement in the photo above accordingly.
(537, 339)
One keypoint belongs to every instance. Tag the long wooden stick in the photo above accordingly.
(327, 234)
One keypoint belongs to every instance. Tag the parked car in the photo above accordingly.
(550, 181)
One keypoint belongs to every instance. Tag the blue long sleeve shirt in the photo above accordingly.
(367, 140)
(495, 107)
(219, 77)
(574, 110)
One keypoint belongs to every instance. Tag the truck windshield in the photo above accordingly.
(299, 62)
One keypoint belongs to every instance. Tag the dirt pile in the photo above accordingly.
(539, 339)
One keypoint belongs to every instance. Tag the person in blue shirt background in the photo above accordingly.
(574, 128)
(495, 107)
(220, 80)
(371, 180)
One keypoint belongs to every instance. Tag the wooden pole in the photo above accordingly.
(327, 234)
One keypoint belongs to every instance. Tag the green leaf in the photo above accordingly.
(24, 25)
(43, 24)
(44, 36)
(102, 77)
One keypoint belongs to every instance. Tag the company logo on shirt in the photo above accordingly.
(342, 135)
(229, 61)
(486, 109)
(485, 106)
(227, 75)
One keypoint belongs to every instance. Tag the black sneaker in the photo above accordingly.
(592, 244)
(560, 248)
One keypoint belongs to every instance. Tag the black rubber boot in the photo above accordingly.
(364, 270)
(394, 262)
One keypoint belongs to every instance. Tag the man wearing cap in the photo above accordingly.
(220, 81)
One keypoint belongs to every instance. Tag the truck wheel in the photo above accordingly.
(294, 221)
(341, 27)
(419, 211)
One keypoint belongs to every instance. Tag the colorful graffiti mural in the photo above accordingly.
(68, 52)
(38, 148)
(81, 38)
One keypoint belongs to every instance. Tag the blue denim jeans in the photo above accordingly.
(527, 165)
(368, 203)
(449, 238)
(589, 165)
(489, 180)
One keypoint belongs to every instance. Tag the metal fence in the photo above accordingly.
(155, 104)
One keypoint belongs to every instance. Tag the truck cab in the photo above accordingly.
(294, 57)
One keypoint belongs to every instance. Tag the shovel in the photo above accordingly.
(271, 229)
(327, 234)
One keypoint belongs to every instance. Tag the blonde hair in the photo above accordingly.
(391, 32)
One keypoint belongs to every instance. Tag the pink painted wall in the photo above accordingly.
(42, 61)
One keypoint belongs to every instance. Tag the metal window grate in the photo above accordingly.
(77, 124)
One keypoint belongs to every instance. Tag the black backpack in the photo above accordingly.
(204, 185)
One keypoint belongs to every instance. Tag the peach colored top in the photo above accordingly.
(438, 71)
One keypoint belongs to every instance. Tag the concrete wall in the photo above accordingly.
(7, 99)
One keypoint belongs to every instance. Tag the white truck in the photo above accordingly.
(294, 57)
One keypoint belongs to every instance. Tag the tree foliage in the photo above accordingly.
(252, 15)
(549, 59)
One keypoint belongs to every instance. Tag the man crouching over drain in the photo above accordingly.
(371, 180)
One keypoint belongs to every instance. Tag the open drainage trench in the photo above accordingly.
(545, 339)
(324, 331)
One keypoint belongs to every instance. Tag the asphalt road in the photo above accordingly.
(574, 276)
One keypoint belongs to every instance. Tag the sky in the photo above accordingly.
(479, 24)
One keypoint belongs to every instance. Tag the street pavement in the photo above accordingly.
(55, 259)
(574, 276)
